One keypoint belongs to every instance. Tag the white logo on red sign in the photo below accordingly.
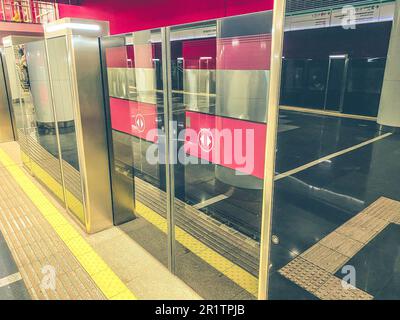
(139, 123)
(206, 140)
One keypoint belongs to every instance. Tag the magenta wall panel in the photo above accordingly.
(194, 50)
(132, 15)
(120, 57)
(244, 153)
(134, 118)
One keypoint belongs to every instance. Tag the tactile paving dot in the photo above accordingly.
(314, 269)
(305, 274)
(334, 290)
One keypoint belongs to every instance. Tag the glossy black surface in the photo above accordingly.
(7, 263)
(16, 290)
(312, 203)
(377, 265)
(317, 136)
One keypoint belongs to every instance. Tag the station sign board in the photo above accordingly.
(341, 16)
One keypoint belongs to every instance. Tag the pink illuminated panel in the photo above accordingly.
(134, 118)
(120, 57)
(232, 143)
(199, 54)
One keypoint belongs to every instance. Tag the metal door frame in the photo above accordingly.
(278, 31)
(107, 42)
(7, 92)
(93, 195)
(113, 41)
(332, 57)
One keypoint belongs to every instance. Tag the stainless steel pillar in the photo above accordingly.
(389, 111)
(75, 76)
(6, 124)
(169, 147)
(270, 157)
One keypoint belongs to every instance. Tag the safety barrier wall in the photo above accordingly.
(211, 79)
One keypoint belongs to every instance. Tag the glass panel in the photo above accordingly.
(293, 79)
(135, 84)
(317, 71)
(219, 119)
(336, 82)
(336, 194)
(304, 83)
(364, 85)
(17, 73)
(63, 103)
(317, 202)
(39, 116)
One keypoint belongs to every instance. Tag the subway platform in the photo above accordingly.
(45, 255)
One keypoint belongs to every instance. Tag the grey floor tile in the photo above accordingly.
(205, 280)
(14, 291)
(7, 263)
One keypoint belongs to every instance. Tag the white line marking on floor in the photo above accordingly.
(210, 201)
(10, 279)
(331, 156)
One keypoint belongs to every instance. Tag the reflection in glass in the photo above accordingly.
(134, 72)
(320, 83)
(63, 104)
(334, 187)
(220, 118)
(39, 116)
(304, 83)
(22, 108)
(364, 85)
(220, 76)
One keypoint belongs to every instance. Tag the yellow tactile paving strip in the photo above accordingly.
(75, 205)
(233, 272)
(44, 235)
(238, 275)
(314, 269)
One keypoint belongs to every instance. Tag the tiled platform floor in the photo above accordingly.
(34, 245)
(315, 269)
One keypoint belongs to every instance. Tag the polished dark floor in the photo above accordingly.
(317, 136)
(309, 137)
(313, 203)
(377, 265)
(16, 290)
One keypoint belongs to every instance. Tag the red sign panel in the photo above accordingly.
(232, 143)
